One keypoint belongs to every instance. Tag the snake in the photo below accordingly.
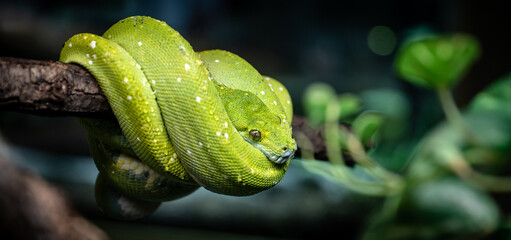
(183, 119)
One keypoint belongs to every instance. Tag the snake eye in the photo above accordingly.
(255, 135)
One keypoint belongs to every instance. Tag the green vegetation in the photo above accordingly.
(439, 183)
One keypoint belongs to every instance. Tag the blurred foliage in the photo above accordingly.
(443, 209)
(315, 100)
(438, 185)
(366, 126)
(436, 61)
(494, 98)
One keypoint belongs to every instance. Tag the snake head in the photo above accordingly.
(265, 130)
(278, 153)
(271, 136)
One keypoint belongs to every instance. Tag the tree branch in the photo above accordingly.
(53, 88)
(49, 88)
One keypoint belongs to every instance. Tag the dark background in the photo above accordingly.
(297, 42)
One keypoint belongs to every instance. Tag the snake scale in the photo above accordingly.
(184, 119)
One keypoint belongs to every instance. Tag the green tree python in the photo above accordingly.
(184, 119)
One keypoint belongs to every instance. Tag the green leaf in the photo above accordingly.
(444, 209)
(355, 179)
(496, 97)
(436, 61)
(451, 207)
(492, 129)
(349, 104)
(315, 101)
(394, 106)
(366, 125)
(390, 102)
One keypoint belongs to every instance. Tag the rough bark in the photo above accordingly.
(49, 88)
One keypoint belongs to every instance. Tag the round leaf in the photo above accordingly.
(436, 61)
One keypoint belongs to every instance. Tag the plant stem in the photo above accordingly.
(462, 168)
(457, 161)
(386, 182)
(449, 107)
(332, 133)
(453, 114)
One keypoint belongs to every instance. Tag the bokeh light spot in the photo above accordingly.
(381, 40)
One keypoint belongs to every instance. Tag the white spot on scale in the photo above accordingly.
(225, 124)
(90, 62)
(200, 144)
(126, 80)
(187, 66)
(92, 44)
(94, 56)
(275, 102)
(218, 133)
(179, 79)
(188, 152)
(217, 60)
(87, 55)
(139, 43)
(262, 92)
(226, 136)
(129, 98)
(70, 45)
(155, 141)
(288, 102)
(172, 160)
(198, 99)
(252, 170)
(138, 139)
(154, 82)
(281, 89)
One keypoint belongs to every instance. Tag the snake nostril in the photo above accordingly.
(284, 148)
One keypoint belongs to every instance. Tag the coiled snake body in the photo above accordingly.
(183, 119)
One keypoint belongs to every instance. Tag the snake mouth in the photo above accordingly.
(280, 159)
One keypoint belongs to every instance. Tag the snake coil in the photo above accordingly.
(183, 119)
